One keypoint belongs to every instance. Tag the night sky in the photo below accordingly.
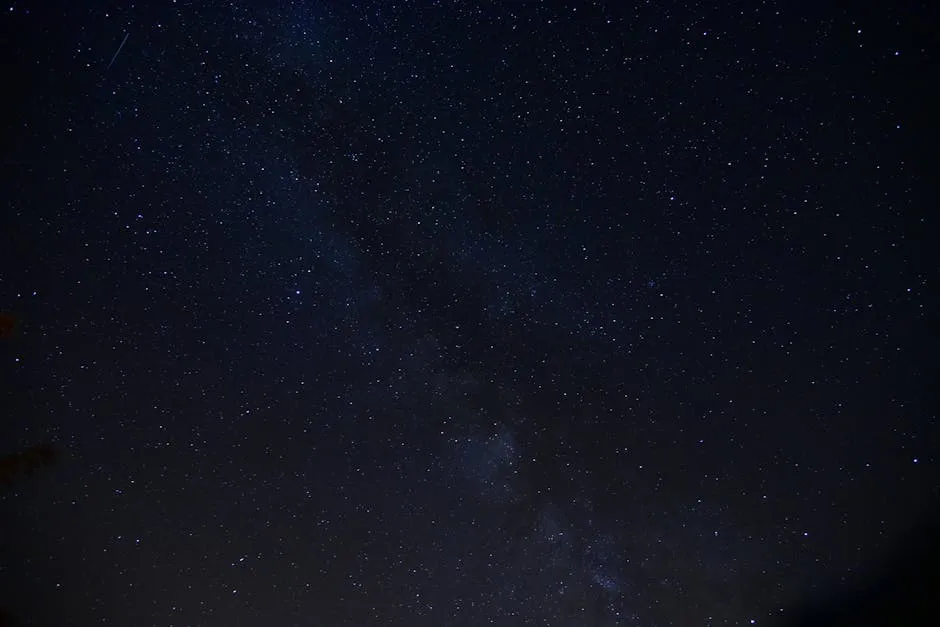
(411, 314)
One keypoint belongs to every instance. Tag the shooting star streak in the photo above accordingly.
(118, 50)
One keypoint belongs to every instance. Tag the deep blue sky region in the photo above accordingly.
(561, 314)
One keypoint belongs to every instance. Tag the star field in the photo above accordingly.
(453, 313)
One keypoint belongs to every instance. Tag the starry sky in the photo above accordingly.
(439, 313)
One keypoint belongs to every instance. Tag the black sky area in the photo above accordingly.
(407, 314)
